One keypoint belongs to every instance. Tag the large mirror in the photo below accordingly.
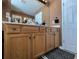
(30, 12)
(46, 12)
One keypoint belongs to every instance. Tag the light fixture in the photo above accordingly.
(46, 1)
(24, 1)
(43, 0)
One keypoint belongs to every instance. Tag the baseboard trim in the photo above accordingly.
(67, 50)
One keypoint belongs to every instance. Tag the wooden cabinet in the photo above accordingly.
(52, 38)
(28, 42)
(49, 41)
(18, 46)
(57, 38)
(38, 44)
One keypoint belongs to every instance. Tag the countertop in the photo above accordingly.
(4, 22)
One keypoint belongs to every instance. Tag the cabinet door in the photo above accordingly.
(49, 41)
(19, 46)
(57, 39)
(38, 44)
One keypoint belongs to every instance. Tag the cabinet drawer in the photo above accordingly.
(12, 28)
(47, 29)
(30, 29)
(42, 29)
(56, 29)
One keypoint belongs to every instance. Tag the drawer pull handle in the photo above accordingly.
(34, 37)
(29, 37)
(14, 28)
(57, 30)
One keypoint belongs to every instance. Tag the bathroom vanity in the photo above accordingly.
(29, 41)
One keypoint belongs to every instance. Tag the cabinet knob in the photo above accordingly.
(53, 34)
(14, 29)
(57, 29)
(29, 37)
(34, 37)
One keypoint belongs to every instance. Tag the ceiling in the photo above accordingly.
(30, 7)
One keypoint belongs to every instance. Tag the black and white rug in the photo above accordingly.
(59, 54)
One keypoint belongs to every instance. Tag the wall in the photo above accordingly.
(55, 10)
(6, 7)
(45, 15)
(69, 25)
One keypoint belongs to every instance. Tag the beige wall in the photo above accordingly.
(45, 15)
(55, 10)
(6, 7)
